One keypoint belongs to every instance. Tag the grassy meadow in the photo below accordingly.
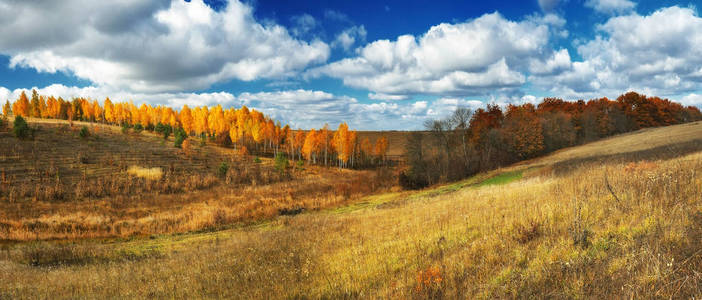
(111, 184)
(621, 217)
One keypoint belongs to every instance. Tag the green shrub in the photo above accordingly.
(20, 128)
(3, 123)
(257, 160)
(138, 128)
(180, 136)
(125, 128)
(84, 132)
(281, 162)
(165, 130)
(222, 170)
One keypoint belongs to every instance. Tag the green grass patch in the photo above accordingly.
(503, 178)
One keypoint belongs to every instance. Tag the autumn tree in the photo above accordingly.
(6, 109)
(381, 148)
(558, 130)
(340, 142)
(366, 151)
(21, 106)
(186, 119)
(523, 131)
(324, 138)
(310, 146)
(35, 106)
(299, 142)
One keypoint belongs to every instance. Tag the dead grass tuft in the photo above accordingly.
(146, 173)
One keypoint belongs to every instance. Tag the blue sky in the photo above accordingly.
(374, 64)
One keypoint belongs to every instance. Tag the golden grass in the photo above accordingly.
(146, 173)
(60, 186)
(647, 245)
(571, 234)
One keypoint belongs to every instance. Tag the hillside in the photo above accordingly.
(620, 217)
(62, 185)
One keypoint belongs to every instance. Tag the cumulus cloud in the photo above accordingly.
(480, 56)
(658, 54)
(175, 100)
(349, 37)
(151, 46)
(692, 99)
(610, 6)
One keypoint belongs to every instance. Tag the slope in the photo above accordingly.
(616, 218)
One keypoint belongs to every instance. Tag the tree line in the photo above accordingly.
(246, 130)
(468, 142)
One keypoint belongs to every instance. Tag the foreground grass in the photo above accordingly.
(515, 233)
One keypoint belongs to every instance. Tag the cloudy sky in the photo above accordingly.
(375, 64)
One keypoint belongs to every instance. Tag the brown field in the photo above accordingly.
(396, 140)
(60, 185)
(618, 218)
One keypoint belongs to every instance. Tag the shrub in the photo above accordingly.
(430, 283)
(527, 231)
(222, 170)
(281, 162)
(125, 128)
(180, 136)
(409, 181)
(165, 130)
(138, 128)
(84, 133)
(187, 147)
(3, 123)
(243, 151)
(20, 128)
(257, 160)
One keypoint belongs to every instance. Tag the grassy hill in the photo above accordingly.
(62, 185)
(620, 217)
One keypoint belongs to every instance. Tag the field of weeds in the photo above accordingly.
(109, 184)
(623, 224)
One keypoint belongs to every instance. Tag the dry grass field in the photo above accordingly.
(396, 140)
(112, 184)
(618, 218)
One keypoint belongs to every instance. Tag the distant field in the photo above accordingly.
(60, 185)
(396, 140)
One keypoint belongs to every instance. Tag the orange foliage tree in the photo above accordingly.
(21, 106)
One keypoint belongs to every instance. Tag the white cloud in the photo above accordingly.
(692, 99)
(548, 5)
(375, 96)
(151, 46)
(477, 57)
(610, 6)
(349, 37)
(560, 61)
(304, 24)
(658, 54)
(175, 100)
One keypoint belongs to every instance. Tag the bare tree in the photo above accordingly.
(441, 130)
(461, 121)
